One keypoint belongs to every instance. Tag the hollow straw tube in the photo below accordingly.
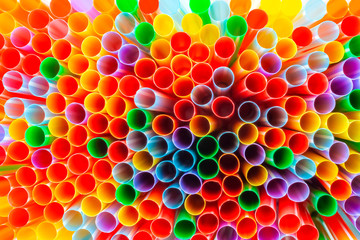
(271, 137)
(222, 79)
(181, 65)
(123, 172)
(182, 87)
(249, 199)
(351, 165)
(229, 209)
(152, 100)
(160, 50)
(269, 64)
(184, 227)
(201, 125)
(228, 142)
(324, 204)
(184, 110)
(308, 122)
(247, 133)
(159, 146)
(336, 122)
(208, 221)
(253, 84)
(276, 186)
(183, 138)
(126, 194)
(255, 175)
(164, 125)
(325, 169)
(37, 136)
(173, 197)
(298, 191)
(227, 232)
(139, 119)
(275, 117)
(268, 232)
(164, 25)
(162, 226)
(280, 158)
(209, 34)
(201, 73)
(254, 153)
(207, 146)
(338, 152)
(166, 171)
(266, 214)
(194, 204)
(144, 34)
(224, 49)
(190, 183)
(144, 181)
(229, 164)
(180, 42)
(232, 185)
(265, 39)
(199, 52)
(350, 102)
(211, 189)
(163, 79)
(112, 42)
(246, 226)
(286, 48)
(223, 107)
(143, 160)
(236, 28)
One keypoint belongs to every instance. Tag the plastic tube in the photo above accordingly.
(182, 87)
(198, 52)
(173, 197)
(143, 160)
(249, 199)
(222, 79)
(184, 110)
(194, 204)
(297, 142)
(164, 78)
(166, 171)
(324, 204)
(255, 175)
(265, 214)
(208, 221)
(160, 50)
(202, 73)
(183, 138)
(229, 209)
(276, 186)
(232, 185)
(211, 189)
(164, 25)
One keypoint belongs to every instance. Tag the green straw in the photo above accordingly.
(281, 158)
(97, 147)
(126, 194)
(350, 102)
(145, 34)
(249, 199)
(207, 146)
(38, 136)
(236, 28)
(324, 204)
(184, 226)
(128, 6)
(139, 119)
(201, 8)
(352, 47)
(208, 168)
(50, 68)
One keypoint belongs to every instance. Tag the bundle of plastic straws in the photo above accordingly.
(180, 119)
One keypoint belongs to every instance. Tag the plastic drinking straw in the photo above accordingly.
(211, 189)
(144, 34)
(10, 23)
(41, 43)
(163, 79)
(173, 197)
(41, 158)
(79, 24)
(21, 37)
(128, 215)
(269, 64)
(163, 225)
(304, 168)
(325, 169)
(180, 42)
(78, 163)
(18, 217)
(307, 228)
(102, 170)
(346, 26)
(317, 61)
(123, 172)
(302, 36)
(56, 173)
(37, 136)
(351, 133)
(338, 152)
(201, 125)
(232, 185)
(42, 194)
(223, 107)
(144, 181)
(126, 194)
(268, 232)
(159, 146)
(265, 40)
(324, 204)
(249, 199)
(194, 204)
(222, 80)
(31, 64)
(163, 124)
(112, 42)
(103, 23)
(297, 142)
(224, 49)
(139, 119)
(351, 165)
(349, 102)
(274, 117)
(14, 107)
(208, 221)
(10, 58)
(183, 138)
(208, 168)
(58, 29)
(152, 100)
(166, 171)
(105, 222)
(228, 142)
(265, 214)
(62, 49)
(18, 197)
(253, 84)
(280, 158)
(236, 28)
(184, 110)
(207, 146)
(26, 176)
(51, 68)
(129, 85)
(255, 175)
(336, 122)
(340, 189)
(38, 19)
(246, 226)
(316, 84)
(227, 232)
(181, 65)
(164, 26)
(199, 52)
(247, 133)
(118, 151)
(36, 114)
(202, 95)
(254, 153)
(209, 34)
(14, 81)
(108, 87)
(85, 184)
(160, 50)
(149, 208)
(17, 129)
(276, 186)
(185, 226)
(76, 113)
(229, 209)
(182, 87)
(91, 206)
(289, 221)
(335, 51)
(94, 103)
(77, 135)
(202, 73)
(190, 183)
(107, 65)
(286, 48)
(271, 137)
(307, 122)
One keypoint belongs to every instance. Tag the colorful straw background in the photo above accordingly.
(180, 119)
